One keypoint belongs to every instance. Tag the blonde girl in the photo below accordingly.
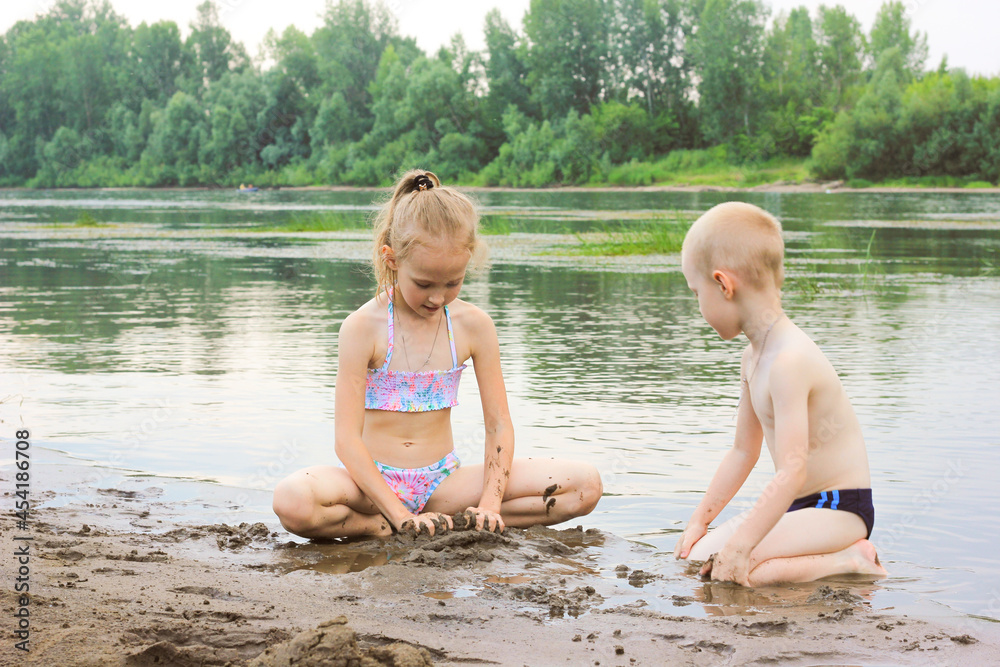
(401, 357)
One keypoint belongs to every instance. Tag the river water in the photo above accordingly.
(175, 340)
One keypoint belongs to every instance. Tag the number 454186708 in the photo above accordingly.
(23, 477)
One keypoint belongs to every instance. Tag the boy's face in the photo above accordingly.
(716, 307)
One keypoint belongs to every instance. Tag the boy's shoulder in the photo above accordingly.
(798, 361)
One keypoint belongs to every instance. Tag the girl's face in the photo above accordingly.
(430, 276)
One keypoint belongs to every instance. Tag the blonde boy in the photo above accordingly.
(815, 515)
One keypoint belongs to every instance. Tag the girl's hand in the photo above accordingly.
(728, 565)
(477, 518)
(428, 522)
(690, 536)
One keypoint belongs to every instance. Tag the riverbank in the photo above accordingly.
(122, 574)
(783, 187)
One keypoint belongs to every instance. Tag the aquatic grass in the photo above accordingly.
(496, 225)
(87, 220)
(84, 220)
(325, 221)
(663, 237)
(505, 225)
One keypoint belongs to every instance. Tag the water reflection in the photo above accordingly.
(215, 357)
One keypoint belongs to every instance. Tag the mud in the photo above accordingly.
(334, 643)
(105, 591)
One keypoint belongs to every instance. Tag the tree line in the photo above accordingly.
(580, 89)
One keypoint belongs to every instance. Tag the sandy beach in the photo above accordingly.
(119, 577)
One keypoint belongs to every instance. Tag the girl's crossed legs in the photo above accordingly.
(804, 545)
(325, 502)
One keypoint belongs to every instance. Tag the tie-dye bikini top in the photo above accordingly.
(413, 391)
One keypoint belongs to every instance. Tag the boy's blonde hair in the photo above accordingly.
(740, 237)
(421, 211)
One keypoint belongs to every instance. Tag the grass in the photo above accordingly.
(87, 220)
(869, 268)
(967, 182)
(658, 237)
(708, 168)
(325, 221)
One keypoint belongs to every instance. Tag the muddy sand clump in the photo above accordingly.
(334, 643)
(463, 545)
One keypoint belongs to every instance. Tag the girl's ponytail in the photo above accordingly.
(421, 210)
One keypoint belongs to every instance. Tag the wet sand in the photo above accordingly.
(119, 576)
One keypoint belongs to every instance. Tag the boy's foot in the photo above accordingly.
(865, 559)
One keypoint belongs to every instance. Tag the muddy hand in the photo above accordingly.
(429, 522)
(477, 518)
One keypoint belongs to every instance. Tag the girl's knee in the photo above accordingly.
(585, 494)
(294, 505)
(591, 489)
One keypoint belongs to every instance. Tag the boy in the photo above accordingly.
(814, 517)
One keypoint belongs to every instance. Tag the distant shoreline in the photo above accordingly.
(780, 187)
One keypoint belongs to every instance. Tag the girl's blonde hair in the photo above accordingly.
(421, 211)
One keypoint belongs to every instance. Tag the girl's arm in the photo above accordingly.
(729, 477)
(357, 347)
(496, 417)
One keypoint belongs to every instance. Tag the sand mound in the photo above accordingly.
(333, 643)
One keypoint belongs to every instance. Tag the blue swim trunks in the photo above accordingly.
(856, 501)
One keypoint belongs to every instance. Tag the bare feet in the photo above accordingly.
(706, 569)
(865, 559)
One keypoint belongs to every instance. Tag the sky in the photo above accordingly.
(964, 29)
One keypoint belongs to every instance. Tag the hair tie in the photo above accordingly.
(423, 182)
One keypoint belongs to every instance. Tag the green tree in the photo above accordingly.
(506, 73)
(649, 54)
(987, 133)
(567, 54)
(156, 62)
(891, 29)
(171, 157)
(348, 47)
(424, 114)
(210, 50)
(791, 82)
(728, 50)
(841, 48)
(864, 142)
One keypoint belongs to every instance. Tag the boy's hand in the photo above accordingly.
(690, 536)
(728, 565)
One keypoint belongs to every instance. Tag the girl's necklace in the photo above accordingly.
(403, 337)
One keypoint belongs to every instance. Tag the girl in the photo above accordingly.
(401, 357)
